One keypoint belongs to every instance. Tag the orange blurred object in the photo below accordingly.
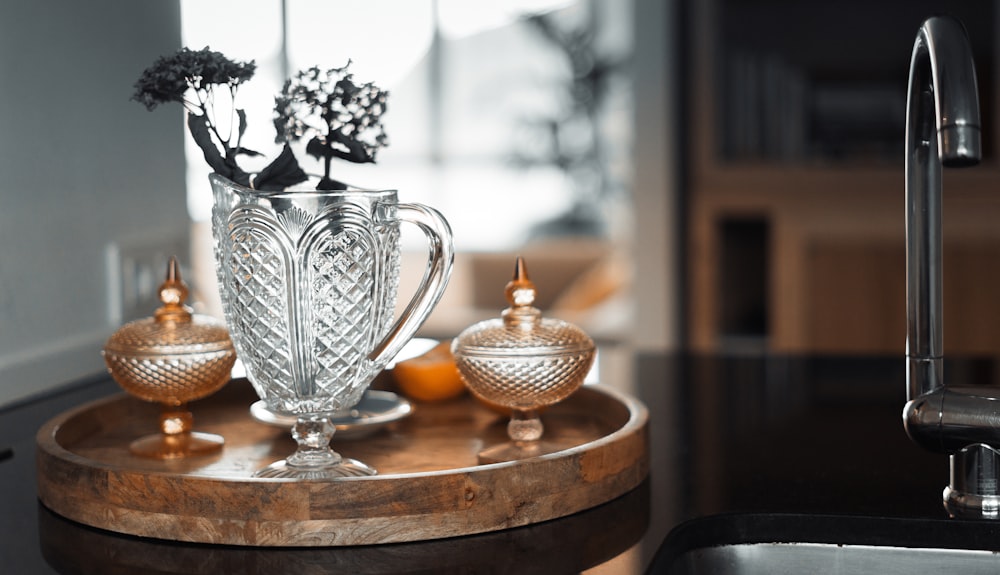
(431, 376)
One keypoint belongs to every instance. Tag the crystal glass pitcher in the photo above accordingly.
(308, 281)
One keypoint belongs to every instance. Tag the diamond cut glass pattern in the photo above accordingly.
(309, 281)
(524, 362)
(342, 287)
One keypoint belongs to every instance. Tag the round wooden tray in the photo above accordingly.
(429, 484)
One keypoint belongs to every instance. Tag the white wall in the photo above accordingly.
(655, 188)
(81, 168)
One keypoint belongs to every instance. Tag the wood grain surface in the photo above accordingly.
(429, 484)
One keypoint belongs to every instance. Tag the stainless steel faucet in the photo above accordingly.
(943, 129)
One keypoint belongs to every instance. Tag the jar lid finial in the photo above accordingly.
(520, 291)
(173, 294)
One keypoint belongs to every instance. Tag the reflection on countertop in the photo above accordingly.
(773, 440)
(568, 545)
(802, 434)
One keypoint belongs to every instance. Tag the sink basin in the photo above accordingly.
(764, 543)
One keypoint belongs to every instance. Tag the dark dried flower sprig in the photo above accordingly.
(190, 77)
(344, 116)
(171, 77)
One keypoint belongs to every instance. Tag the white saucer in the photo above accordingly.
(375, 410)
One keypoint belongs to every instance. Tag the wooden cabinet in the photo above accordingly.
(794, 184)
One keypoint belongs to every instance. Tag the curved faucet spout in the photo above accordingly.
(942, 128)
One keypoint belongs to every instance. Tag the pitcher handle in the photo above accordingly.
(441, 257)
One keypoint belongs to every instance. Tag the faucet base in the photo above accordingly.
(974, 492)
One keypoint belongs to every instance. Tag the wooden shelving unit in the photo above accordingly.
(830, 251)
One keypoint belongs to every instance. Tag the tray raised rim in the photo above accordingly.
(349, 511)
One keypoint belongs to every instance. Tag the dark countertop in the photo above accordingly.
(805, 435)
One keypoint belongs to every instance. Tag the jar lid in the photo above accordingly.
(521, 330)
(174, 329)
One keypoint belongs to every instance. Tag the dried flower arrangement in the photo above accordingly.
(345, 117)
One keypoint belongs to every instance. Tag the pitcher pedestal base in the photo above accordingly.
(346, 468)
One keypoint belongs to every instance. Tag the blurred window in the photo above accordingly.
(468, 82)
